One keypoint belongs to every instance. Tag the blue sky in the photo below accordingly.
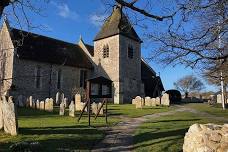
(68, 19)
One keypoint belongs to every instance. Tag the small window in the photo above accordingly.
(83, 77)
(130, 52)
(38, 77)
(59, 77)
(106, 51)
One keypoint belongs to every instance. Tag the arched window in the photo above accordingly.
(130, 52)
(106, 51)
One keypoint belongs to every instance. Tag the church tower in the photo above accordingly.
(117, 54)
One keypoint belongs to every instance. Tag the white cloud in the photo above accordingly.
(98, 20)
(64, 11)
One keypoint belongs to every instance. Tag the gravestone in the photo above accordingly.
(30, 102)
(20, 101)
(153, 102)
(57, 98)
(51, 105)
(147, 101)
(1, 114)
(46, 107)
(65, 101)
(33, 104)
(157, 101)
(133, 101)
(27, 102)
(42, 105)
(37, 104)
(72, 109)
(9, 116)
(78, 102)
(61, 109)
(102, 109)
(138, 101)
(94, 107)
(219, 98)
(165, 99)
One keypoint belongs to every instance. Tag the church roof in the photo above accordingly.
(44, 49)
(117, 23)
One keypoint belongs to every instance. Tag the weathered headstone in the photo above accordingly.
(219, 98)
(51, 105)
(20, 101)
(42, 105)
(147, 101)
(61, 109)
(9, 117)
(37, 104)
(102, 109)
(30, 102)
(153, 102)
(1, 114)
(94, 107)
(133, 101)
(65, 102)
(57, 98)
(157, 101)
(46, 107)
(165, 99)
(78, 102)
(138, 101)
(72, 109)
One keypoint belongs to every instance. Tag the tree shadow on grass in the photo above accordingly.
(59, 130)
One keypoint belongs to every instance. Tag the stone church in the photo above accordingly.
(40, 66)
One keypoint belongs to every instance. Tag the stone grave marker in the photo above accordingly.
(165, 99)
(147, 101)
(61, 109)
(42, 105)
(30, 102)
(133, 101)
(219, 98)
(153, 102)
(72, 109)
(57, 98)
(33, 104)
(102, 109)
(9, 117)
(78, 102)
(157, 101)
(37, 104)
(65, 102)
(46, 107)
(94, 107)
(138, 102)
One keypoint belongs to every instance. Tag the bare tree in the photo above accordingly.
(188, 84)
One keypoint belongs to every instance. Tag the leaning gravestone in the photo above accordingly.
(94, 108)
(1, 114)
(9, 116)
(72, 109)
(165, 99)
(61, 109)
(147, 101)
(219, 98)
(157, 101)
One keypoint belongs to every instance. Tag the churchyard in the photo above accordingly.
(151, 124)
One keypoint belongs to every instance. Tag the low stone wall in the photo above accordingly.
(206, 138)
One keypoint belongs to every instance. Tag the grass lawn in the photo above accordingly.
(55, 132)
(166, 134)
(211, 109)
(129, 110)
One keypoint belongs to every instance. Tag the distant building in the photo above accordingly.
(40, 66)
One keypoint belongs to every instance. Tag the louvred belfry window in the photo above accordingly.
(106, 51)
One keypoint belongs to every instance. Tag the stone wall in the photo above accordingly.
(206, 138)
(25, 79)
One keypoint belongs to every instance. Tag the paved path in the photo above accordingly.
(120, 137)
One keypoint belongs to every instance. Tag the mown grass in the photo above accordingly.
(211, 109)
(54, 132)
(129, 110)
(166, 134)
(59, 133)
